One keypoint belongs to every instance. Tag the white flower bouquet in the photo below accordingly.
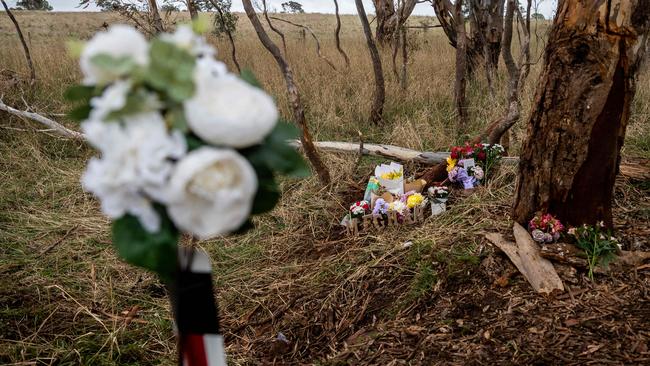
(391, 177)
(185, 146)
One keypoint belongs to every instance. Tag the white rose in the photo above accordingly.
(135, 165)
(227, 111)
(113, 99)
(211, 192)
(185, 38)
(119, 41)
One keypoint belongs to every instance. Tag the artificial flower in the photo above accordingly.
(211, 192)
(112, 99)
(359, 208)
(119, 41)
(135, 165)
(538, 235)
(477, 172)
(227, 111)
(451, 163)
(414, 200)
(381, 207)
(398, 206)
(185, 38)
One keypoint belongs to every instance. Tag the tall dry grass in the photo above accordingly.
(64, 296)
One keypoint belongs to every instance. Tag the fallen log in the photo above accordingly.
(390, 151)
(524, 254)
(53, 125)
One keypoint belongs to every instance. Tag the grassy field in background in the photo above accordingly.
(66, 299)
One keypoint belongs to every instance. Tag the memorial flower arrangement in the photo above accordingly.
(470, 164)
(185, 145)
(545, 228)
(598, 243)
(439, 193)
(359, 208)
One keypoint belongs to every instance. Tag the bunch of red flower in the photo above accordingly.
(545, 228)
(476, 152)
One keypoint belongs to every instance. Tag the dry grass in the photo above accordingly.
(65, 297)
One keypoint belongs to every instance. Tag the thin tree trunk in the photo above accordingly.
(376, 113)
(233, 49)
(32, 70)
(461, 69)
(575, 133)
(337, 34)
(191, 7)
(292, 92)
(157, 21)
(274, 29)
(404, 76)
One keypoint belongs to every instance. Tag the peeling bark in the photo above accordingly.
(577, 127)
(292, 92)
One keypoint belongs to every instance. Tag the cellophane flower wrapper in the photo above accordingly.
(391, 177)
(545, 228)
(185, 145)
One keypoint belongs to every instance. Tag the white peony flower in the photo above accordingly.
(227, 111)
(211, 192)
(185, 38)
(113, 99)
(120, 40)
(135, 165)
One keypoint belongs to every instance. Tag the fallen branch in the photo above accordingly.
(390, 151)
(55, 126)
(538, 271)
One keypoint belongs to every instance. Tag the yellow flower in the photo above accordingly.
(451, 163)
(414, 200)
(391, 175)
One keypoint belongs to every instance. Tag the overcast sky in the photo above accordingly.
(546, 7)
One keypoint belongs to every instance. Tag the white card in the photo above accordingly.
(467, 163)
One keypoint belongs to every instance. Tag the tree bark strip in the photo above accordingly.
(292, 92)
(28, 56)
(577, 127)
(461, 69)
(376, 113)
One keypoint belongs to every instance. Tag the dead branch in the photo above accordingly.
(53, 125)
(32, 70)
(292, 92)
(337, 34)
(376, 114)
(304, 27)
(274, 29)
(403, 77)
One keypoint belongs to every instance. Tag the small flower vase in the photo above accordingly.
(438, 206)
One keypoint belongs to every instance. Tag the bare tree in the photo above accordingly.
(157, 21)
(293, 94)
(28, 56)
(337, 34)
(225, 22)
(570, 159)
(306, 28)
(376, 113)
(390, 16)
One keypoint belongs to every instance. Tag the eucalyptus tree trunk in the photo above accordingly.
(292, 93)
(155, 15)
(460, 84)
(389, 18)
(570, 159)
(376, 113)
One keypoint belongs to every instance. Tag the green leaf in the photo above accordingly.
(248, 76)
(78, 93)
(136, 101)
(171, 70)
(268, 192)
(115, 65)
(193, 142)
(80, 113)
(176, 118)
(280, 156)
(153, 251)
